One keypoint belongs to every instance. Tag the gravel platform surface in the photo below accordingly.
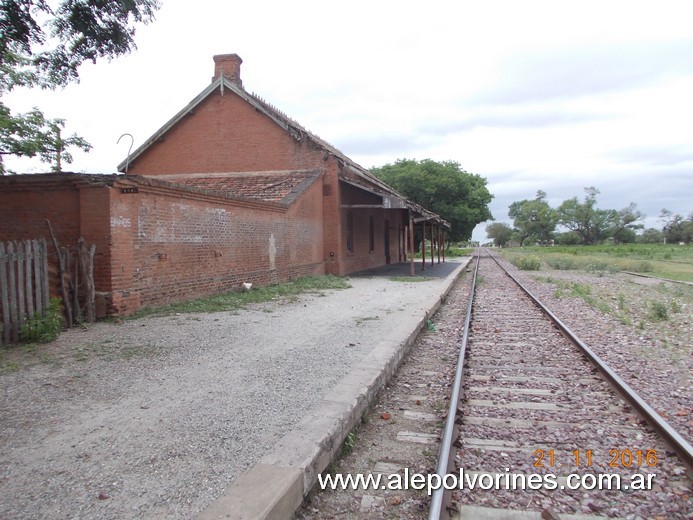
(153, 418)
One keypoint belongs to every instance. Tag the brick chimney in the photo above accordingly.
(230, 66)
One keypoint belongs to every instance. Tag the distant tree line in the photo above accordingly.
(535, 221)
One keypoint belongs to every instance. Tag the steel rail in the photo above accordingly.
(673, 438)
(445, 461)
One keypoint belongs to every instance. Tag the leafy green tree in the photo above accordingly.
(625, 236)
(677, 228)
(590, 223)
(43, 45)
(625, 222)
(650, 236)
(459, 197)
(32, 134)
(569, 238)
(533, 218)
(499, 232)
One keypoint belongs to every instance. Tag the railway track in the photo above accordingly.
(527, 403)
(538, 425)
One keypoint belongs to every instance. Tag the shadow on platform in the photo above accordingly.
(437, 270)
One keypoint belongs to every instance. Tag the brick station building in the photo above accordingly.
(230, 190)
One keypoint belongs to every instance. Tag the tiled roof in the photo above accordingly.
(267, 186)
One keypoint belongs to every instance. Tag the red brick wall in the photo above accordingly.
(23, 212)
(169, 248)
(74, 212)
(362, 257)
(226, 134)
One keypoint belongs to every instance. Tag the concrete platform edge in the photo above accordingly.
(276, 486)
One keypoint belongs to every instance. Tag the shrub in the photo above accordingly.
(600, 266)
(43, 329)
(570, 238)
(527, 262)
(658, 311)
(563, 263)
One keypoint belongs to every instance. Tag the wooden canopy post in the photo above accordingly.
(405, 243)
(443, 244)
(411, 245)
(432, 259)
(423, 246)
(438, 242)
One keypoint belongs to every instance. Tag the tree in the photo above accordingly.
(650, 236)
(569, 238)
(445, 188)
(625, 222)
(32, 134)
(533, 218)
(499, 232)
(42, 46)
(590, 223)
(677, 228)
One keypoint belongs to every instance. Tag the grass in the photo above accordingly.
(349, 443)
(584, 291)
(238, 299)
(449, 253)
(526, 262)
(410, 278)
(361, 321)
(662, 260)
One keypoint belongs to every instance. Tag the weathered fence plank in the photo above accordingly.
(12, 282)
(24, 291)
(28, 279)
(38, 283)
(20, 282)
(43, 267)
(23, 285)
(4, 295)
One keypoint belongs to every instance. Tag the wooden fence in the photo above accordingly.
(23, 285)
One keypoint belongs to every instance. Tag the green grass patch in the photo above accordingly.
(662, 260)
(239, 299)
(526, 262)
(449, 253)
(410, 278)
(457, 251)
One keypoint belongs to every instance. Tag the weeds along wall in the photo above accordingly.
(169, 246)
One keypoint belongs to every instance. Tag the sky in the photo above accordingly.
(533, 95)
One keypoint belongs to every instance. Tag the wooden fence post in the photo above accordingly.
(4, 295)
(12, 282)
(28, 289)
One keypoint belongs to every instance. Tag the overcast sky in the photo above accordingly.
(531, 95)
